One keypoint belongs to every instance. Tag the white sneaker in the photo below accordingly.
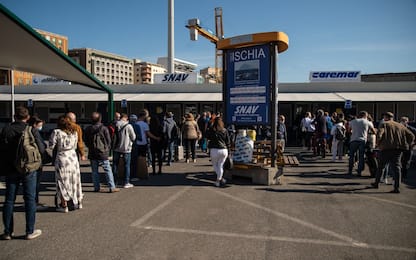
(217, 184)
(128, 185)
(63, 210)
(35, 234)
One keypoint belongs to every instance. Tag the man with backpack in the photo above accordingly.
(98, 141)
(16, 141)
(123, 139)
(171, 131)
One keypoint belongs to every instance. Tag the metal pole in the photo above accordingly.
(110, 106)
(274, 109)
(171, 37)
(12, 93)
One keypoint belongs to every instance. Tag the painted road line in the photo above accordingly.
(143, 219)
(277, 238)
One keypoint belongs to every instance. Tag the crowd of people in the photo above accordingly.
(135, 142)
(138, 141)
(357, 136)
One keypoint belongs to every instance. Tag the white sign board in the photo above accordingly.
(334, 76)
(182, 78)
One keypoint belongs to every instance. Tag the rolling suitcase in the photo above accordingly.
(179, 150)
(142, 172)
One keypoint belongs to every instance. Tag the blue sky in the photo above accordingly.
(372, 36)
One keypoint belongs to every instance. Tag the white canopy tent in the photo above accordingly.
(23, 49)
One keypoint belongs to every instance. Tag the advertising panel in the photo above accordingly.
(248, 85)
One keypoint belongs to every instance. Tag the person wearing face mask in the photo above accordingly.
(37, 125)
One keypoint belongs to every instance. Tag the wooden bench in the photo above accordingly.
(290, 160)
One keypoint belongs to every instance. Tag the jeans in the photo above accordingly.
(29, 193)
(392, 157)
(107, 170)
(170, 148)
(127, 159)
(133, 162)
(354, 146)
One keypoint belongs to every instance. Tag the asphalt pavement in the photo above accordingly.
(318, 212)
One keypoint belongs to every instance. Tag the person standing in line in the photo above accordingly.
(123, 141)
(171, 132)
(320, 133)
(98, 141)
(308, 129)
(67, 173)
(392, 138)
(219, 145)
(191, 134)
(359, 130)
(134, 147)
(37, 123)
(157, 146)
(337, 148)
(10, 137)
(202, 127)
(281, 132)
(143, 133)
(406, 156)
(80, 144)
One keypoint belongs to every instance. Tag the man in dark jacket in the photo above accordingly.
(10, 137)
(98, 141)
(392, 139)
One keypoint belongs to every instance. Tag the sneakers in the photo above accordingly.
(41, 207)
(114, 190)
(35, 234)
(128, 185)
(62, 210)
(220, 183)
(194, 160)
(6, 236)
(187, 160)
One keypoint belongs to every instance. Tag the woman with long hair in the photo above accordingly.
(219, 144)
(67, 173)
(191, 134)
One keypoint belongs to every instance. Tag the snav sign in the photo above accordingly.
(331, 76)
(175, 78)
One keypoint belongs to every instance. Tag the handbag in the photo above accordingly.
(228, 164)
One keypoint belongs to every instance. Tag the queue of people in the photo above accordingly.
(358, 137)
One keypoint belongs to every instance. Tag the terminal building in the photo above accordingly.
(375, 93)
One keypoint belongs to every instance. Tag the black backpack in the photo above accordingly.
(340, 133)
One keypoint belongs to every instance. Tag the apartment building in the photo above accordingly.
(111, 69)
(181, 66)
(22, 78)
(144, 71)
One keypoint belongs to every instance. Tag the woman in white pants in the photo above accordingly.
(338, 142)
(219, 144)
